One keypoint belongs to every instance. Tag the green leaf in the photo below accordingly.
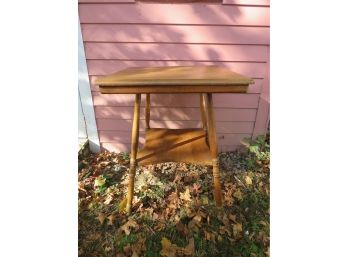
(254, 148)
(99, 181)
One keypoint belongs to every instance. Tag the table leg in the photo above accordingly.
(147, 111)
(204, 117)
(203, 112)
(134, 150)
(208, 99)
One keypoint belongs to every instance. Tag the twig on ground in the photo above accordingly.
(240, 182)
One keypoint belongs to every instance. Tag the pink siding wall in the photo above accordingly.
(122, 33)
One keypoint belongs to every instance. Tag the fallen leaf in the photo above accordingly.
(108, 199)
(196, 189)
(104, 163)
(225, 220)
(128, 225)
(111, 218)
(238, 194)
(237, 229)
(155, 216)
(168, 249)
(177, 179)
(173, 196)
(181, 228)
(232, 217)
(194, 225)
(228, 200)
(82, 187)
(190, 248)
(186, 196)
(207, 235)
(127, 249)
(205, 200)
(99, 181)
(190, 213)
(101, 217)
(197, 218)
(138, 247)
(188, 179)
(248, 181)
(263, 223)
(122, 205)
(159, 227)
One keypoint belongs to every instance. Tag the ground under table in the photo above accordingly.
(175, 145)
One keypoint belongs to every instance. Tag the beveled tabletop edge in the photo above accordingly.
(174, 76)
(178, 82)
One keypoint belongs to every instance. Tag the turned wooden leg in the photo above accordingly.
(208, 99)
(204, 117)
(134, 150)
(147, 111)
(203, 112)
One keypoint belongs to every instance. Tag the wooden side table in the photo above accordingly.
(197, 146)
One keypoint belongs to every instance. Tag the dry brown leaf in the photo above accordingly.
(128, 225)
(168, 249)
(197, 218)
(238, 194)
(155, 216)
(232, 217)
(138, 247)
(201, 213)
(263, 223)
(188, 179)
(111, 219)
(159, 227)
(225, 220)
(82, 187)
(190, 248)
(181, 228)
(177, 178)
(127, 249)
(108, 199)
(190, 213)
(196, 189)
(237, 229)
(224, 229)
(135, 254)
(194, 225)
(248, 181)
(207, 235)
(186, 196)
(101, 217)
(173, 196)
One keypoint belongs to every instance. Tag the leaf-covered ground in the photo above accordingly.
(173, 209)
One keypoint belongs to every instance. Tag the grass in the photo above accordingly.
(174, 201)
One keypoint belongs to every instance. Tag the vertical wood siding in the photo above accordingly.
(123, 33)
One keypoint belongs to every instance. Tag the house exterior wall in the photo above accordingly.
(123, 33)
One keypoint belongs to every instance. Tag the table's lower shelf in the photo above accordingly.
(174, 145)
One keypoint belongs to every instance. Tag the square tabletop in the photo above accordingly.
(174, 79)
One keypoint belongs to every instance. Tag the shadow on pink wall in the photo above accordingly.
(200, 35)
